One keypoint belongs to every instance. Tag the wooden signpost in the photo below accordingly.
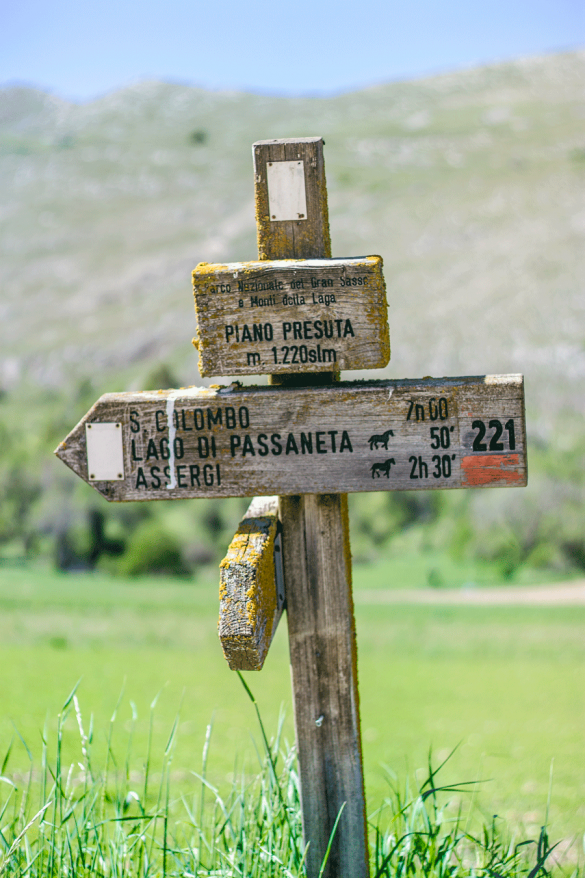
(325, 314)
(301, 316)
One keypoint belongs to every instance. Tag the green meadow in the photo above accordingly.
(502, 687)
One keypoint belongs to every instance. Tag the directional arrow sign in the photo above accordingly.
(291, 315)
(346, 437)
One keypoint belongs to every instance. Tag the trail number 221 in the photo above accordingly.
(494, 439)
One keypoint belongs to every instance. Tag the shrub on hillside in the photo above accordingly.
(152, 549)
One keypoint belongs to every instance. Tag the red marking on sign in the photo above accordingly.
(492, 468)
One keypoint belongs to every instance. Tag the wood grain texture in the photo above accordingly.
(323, 651)
(251, 594)
(307, 238)
(351, 436)
(291, 316)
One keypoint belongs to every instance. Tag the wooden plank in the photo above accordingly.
(291, 316)
(323, 651)
(305, 237)
(352, 436)
(251, 588)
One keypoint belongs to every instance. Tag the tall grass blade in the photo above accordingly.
(15, 843)
(69, 698)
(330, 843)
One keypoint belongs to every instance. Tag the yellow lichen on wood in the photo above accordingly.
(310, 296)
(249, 606)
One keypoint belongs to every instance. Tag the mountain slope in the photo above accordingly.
(470, 185)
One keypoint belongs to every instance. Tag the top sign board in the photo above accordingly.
(291, 315)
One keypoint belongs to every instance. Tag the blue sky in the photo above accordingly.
(80, 50)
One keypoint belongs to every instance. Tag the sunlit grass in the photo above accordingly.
(503, 683)
(96, 817)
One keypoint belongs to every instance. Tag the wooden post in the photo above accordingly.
(316, 555)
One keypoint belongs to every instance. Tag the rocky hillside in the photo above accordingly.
(470, 185)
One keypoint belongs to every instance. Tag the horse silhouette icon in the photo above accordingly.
(375, 441)
(382, 468)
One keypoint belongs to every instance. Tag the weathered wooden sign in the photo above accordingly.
(346, 437)
(251, 587)
(291, 315)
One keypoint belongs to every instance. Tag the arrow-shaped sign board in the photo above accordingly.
(240, 441)
(291, 315)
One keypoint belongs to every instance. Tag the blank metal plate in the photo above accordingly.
(287, 199)
(105, 452)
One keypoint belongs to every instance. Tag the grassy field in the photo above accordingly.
(503, 685)
(468, 185)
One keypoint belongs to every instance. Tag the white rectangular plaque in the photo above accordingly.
(287, 199)
(105, 452)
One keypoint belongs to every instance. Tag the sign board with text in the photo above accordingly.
(291, 315)
(346, 437)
